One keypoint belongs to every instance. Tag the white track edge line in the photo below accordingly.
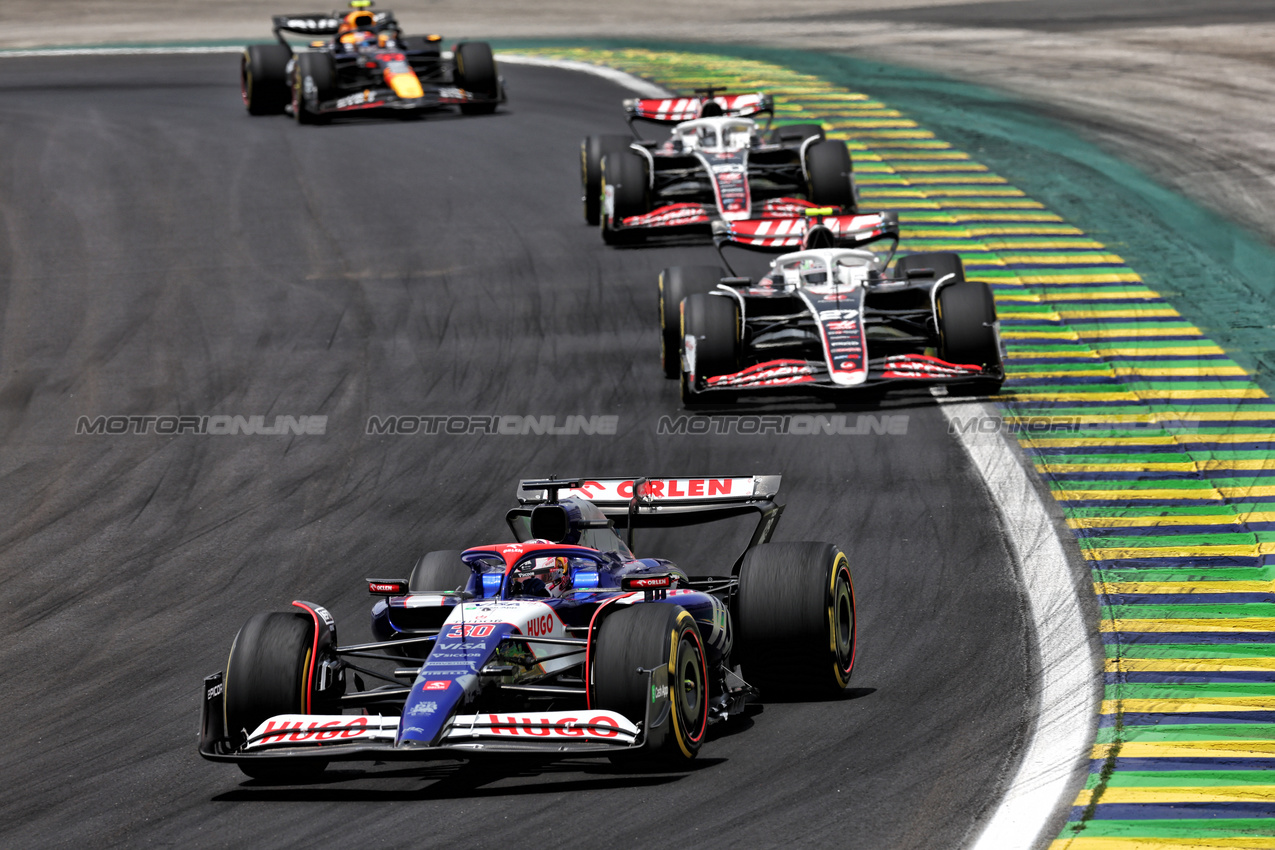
(638, 85)
(1061, 735)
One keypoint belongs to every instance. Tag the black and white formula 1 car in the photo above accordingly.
(718, 163)
(830, 317)
(564, 643)
(364, 62)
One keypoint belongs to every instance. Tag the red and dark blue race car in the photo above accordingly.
(719, 163)
(828, 317)
(564, 643)
(364, 62)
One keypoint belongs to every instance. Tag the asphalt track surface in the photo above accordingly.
(163, 253)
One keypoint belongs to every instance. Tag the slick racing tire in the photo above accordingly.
(795, 134)
(439, 572)
(263, 78)
(830, 176)
(627, 175)
(795, 618)
(663, 638)
(319, 69)
(592, 149)
(266, 676)
(966, 317)
(713, 322)
(476, 72)
(676, 283)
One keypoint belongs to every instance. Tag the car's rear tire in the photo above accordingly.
(793, 134)
(830, 176)
(713, 320)
(319, 68)
(966, 317)
(592, 149)
(627, 175)
(664, 637)
(676, 283)
(795, 617)
(266, 676)
(439, 572)
(263, 78)
(476, 72)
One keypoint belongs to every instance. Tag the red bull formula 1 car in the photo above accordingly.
(564, 643)
(366, 64)
(719, 163)
(829, 317)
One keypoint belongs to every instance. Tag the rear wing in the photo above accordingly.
(666, 502)
(321, 23)
(653, 492)
(674, 110)
(818, 223)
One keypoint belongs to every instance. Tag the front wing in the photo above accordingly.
(384, 97)
(812, 375)
(349, 737)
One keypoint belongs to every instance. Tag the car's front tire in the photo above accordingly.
(476, 72)
(592, 150)
(676, 283)
(662, 637)
(318, 68)
(266, 675)
(626, 175)
(713, 322)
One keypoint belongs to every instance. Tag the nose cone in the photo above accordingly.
(405, 85)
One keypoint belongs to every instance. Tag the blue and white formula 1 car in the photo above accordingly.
(564, 643)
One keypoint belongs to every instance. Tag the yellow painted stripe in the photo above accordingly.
(1185, 588)
(1177, 706)
(1135, 395)
(1132, 351)
(1083, 842)
(1198, 794)
(1201, 665)
(1188, 371)
(1189, 749)
(1131, 313)
(1123, 554)
(1105, 277)
(1221, 626)
(1125, 495)
(1152, 521)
